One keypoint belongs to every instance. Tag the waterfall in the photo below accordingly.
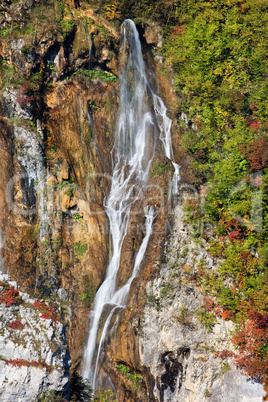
(131, 167)
(133, 152)
(165, 123)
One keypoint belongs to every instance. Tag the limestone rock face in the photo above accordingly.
(170, 353)
(34, 352)
(177, 350)
(56, 156)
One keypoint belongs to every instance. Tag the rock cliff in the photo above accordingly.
(58, 112)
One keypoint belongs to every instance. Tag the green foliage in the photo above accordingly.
(87, 298)
(159, 169)
(80, 248)
(215, 61)
(225, 367)
(184, 252)
(80, 389)
(166, 289)
(61, 8)
(124, 370)
(207, 393)
(66, 26)
(104, 395)
(50, 396)
(134, 378)
(218, 54)
(154, 301)
(78, 217)
(207, 319)
(67, 185)
(25, 50)
(88, 291)
(104, 31)
(141, 11)
(4, 31)
(36, 80)
(98, 74)
(6, 73)
(184, 317)
(52, 67)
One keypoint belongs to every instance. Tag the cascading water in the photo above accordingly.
(134, 150)
(164, 123)
(130, 173)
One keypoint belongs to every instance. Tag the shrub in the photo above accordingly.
(24, 97)
(16, 325)
(80, 388)
(104, 395)
(48, 313)
(22, 362)
(98, 74)
(88, 290)
(50, 396)
(134, 378)
(11, 296)
(206, 319)
(252, 343)
(80, 248)
(159, 169)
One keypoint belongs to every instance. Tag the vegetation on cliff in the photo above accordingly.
(218, 52)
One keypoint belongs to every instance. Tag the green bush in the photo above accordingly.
(88, 291)
(104, 395)
(134, 378)
(97, 74)
(80, 389)
(50, 396)
(207, 319)
(80, 248)
(159, 169)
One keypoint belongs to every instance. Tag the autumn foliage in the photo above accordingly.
(22, 362)
(24, 97)
(252, 343)
(258, 156)
(178, 30)
(212, 306)
(48, 313)
(11, 296)
(17, 324)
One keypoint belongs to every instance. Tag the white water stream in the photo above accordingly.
(164, 124)
(134, 150)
